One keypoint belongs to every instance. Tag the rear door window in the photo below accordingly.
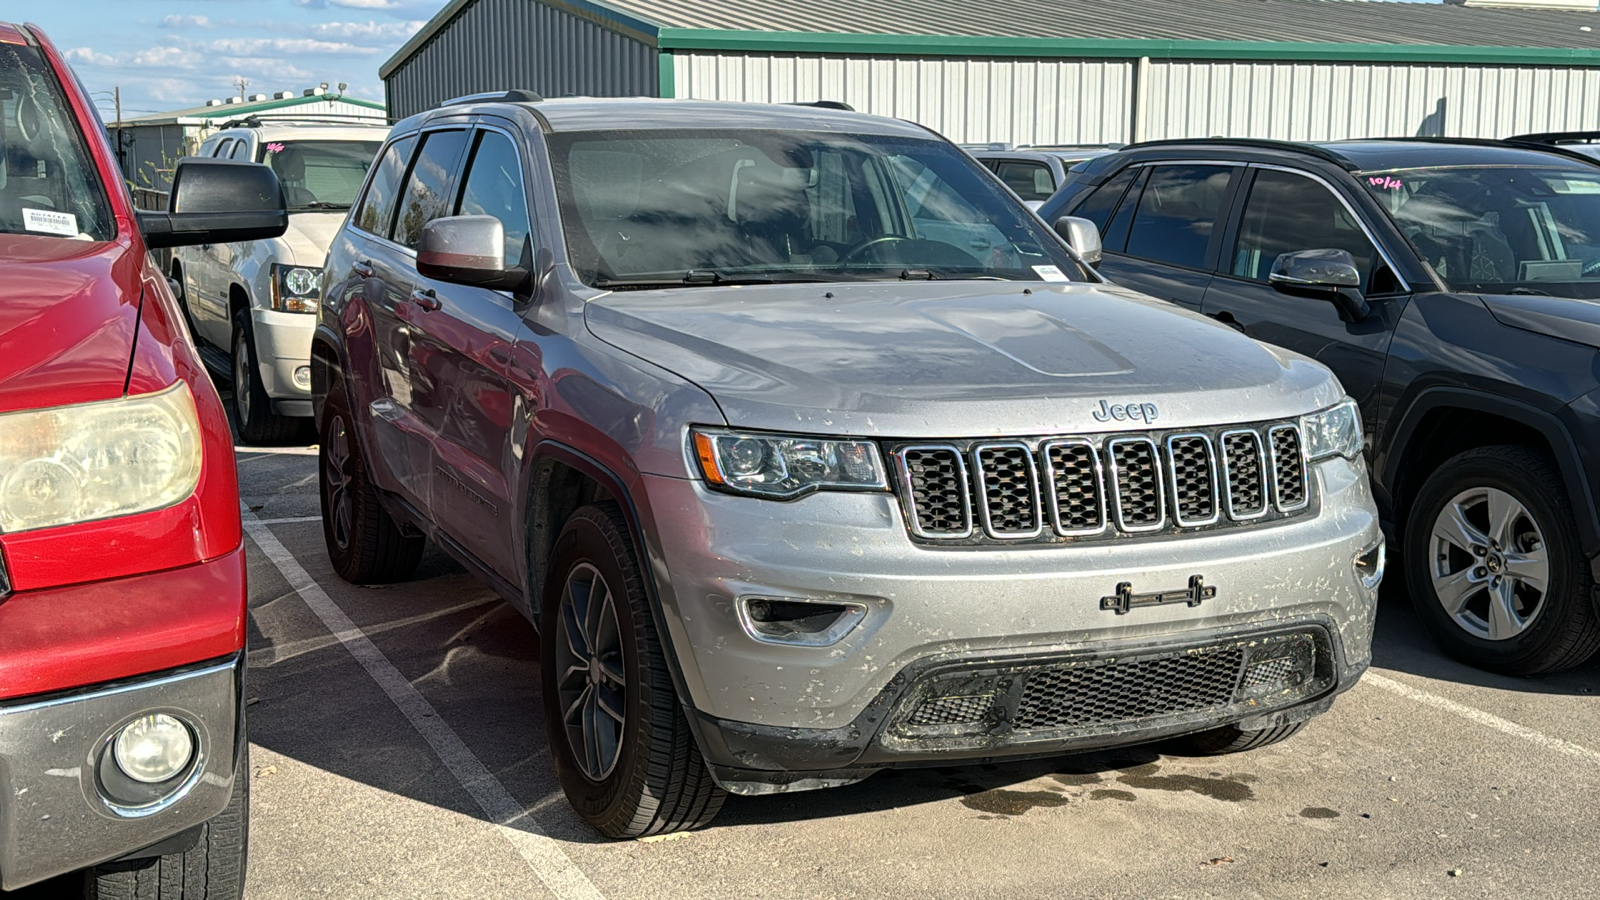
(224, 148)
(428, 189)
(1178, 213)
(241, 150)
(377, 206)
(1029, 180)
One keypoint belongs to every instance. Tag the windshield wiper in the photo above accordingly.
(705, 278)
(1528, 291)
(322, 204)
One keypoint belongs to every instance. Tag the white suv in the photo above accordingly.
(252, 305)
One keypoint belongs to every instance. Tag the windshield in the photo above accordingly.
(48, 185)
(664, 208)
(320, 174)
(1500, 229)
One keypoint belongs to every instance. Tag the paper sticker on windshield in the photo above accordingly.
(50, 222)
(1573, 185)
(1050, 273)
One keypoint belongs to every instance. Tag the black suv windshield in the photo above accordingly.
(320, 174)
(658, 208)
(48, 183)
(1500, 229)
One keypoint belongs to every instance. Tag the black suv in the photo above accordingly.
(1451, 285)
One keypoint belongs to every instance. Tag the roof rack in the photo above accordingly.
(824, 104)
(516, 95)
(1263, 143)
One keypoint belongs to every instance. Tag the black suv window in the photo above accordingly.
(1030, 181)
(493, 187)
(1102, 200)
(377, 207)
(1287, 212)
(1177, 214)
(427, 195)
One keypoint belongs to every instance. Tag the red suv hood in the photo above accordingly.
(68, 314)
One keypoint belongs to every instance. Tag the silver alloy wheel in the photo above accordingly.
(336, 481)
(590, 680)
(1488, 563)
(241, 379)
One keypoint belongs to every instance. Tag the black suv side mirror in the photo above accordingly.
(217, 201)
(468, 250)
(1329, 274)
(1082, 236)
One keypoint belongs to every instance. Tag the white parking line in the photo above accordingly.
(289, 520)
(548, 861)
(1474, 714)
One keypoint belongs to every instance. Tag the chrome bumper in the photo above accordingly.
(54, 817)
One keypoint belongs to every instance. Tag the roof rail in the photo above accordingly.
(824, 104)
(1262, 143)
(516, 95)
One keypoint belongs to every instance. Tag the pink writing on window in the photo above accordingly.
(278, 148)
(1385, 182)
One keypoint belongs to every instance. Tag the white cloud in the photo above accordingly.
(351, 4)
(185, 22)
(88, 55)
(174, 57)
(384, 31)
(259, 46)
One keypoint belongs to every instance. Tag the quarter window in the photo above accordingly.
(377, 207)
(1287, 212)
(493, 187)
(1178, 213)
(427, 194)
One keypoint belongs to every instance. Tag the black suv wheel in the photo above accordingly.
(621, 744)
(1494, 565)
(365, 543)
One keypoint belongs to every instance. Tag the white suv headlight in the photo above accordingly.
(1335, 431)
(98, 460)
(781, 467)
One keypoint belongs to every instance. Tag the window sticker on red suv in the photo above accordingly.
(50, 222)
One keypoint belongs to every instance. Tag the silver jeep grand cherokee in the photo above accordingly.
(813, 452)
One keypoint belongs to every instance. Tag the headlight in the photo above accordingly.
(1335, 431)
(296, 288)
(785, 466)
(98, 460)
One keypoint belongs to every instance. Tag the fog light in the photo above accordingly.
(814, 623)
(1370, 564)
(153, 749)
(302, 377)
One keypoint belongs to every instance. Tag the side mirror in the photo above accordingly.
(1082, 236)
(217, 201)
(1329, 274)
(468, 250)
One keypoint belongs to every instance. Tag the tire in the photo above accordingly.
(1233, 739)
(252, 408)
(1500, 617)
(365, 543)
(214, 869)
(643, 775)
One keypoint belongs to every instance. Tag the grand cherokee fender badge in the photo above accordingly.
(1125, 599)
(1126, 412)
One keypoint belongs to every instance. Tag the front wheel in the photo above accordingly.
(258, 424)
(1494, 564)
(213, 869)
(621, 744)
(1233, 739)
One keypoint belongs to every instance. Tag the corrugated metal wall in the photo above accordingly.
(1330, 101)
(503, 44)
(966, 100)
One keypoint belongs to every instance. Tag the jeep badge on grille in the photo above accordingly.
(1126, 412)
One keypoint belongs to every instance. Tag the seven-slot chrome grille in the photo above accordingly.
(1101, 486)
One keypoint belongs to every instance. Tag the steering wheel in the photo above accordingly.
(855, 253)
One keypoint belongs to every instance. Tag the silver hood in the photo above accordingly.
(961, 359)
(310, 235)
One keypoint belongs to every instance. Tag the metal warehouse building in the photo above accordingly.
(1045, 71)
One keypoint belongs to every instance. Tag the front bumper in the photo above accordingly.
(283, 347)
(55, 817)
(923, 605)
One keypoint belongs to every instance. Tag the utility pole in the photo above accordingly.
(241, 83)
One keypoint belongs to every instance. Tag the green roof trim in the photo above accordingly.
(1094, 48)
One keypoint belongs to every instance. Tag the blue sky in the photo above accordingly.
(170, 54)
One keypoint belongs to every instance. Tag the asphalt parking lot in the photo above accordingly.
(398, 751)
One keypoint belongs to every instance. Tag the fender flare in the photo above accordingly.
(1555, 432)
(324, 335)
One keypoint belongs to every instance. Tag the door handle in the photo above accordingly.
(425, 298)
(362, 268)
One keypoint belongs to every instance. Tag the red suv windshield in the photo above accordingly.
(48, 185)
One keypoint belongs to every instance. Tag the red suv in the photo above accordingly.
(122, 570)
